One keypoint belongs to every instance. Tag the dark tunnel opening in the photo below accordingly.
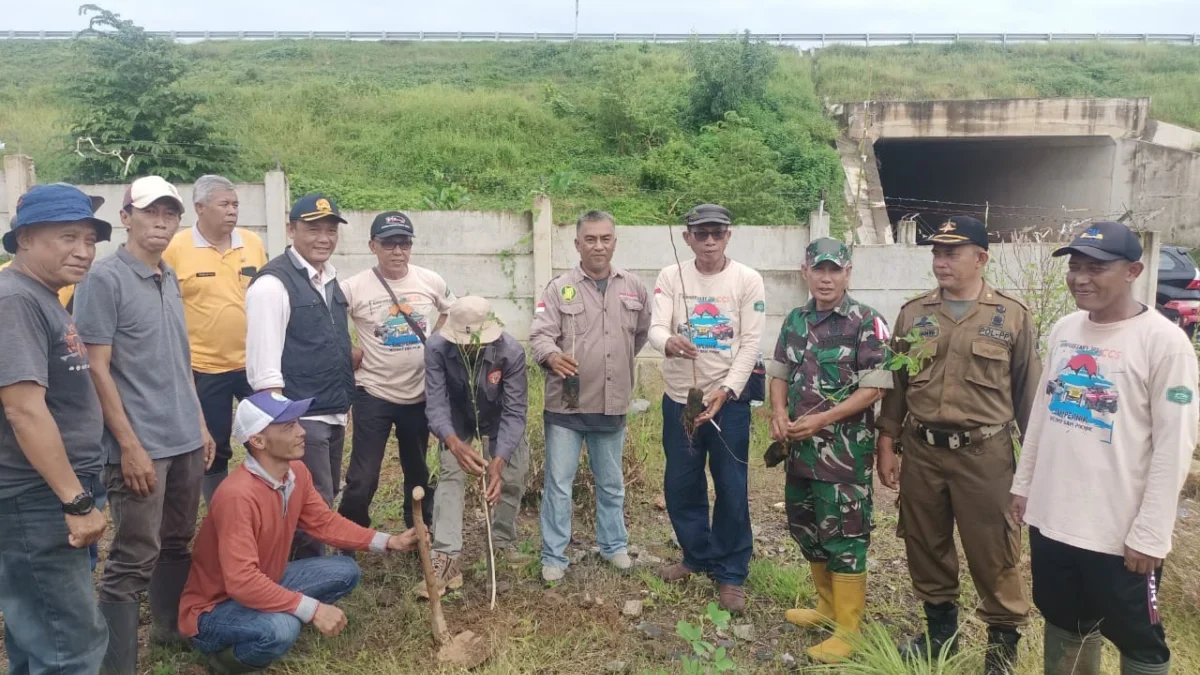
(1016, 183)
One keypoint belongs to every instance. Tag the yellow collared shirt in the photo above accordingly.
(214, 295)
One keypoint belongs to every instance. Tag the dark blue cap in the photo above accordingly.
(55, 203)
(315, 206)
(1105, 241)
(958, 231)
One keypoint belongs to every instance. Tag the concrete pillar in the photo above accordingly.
(18, 178)
(908, 232)
(1146, 287)
(278, 202)
(543, 243)
(818, 225)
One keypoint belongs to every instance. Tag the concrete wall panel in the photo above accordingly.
(1118, 118)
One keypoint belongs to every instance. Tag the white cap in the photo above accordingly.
(145, 191)
(263, 409)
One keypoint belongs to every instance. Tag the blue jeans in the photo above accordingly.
(721, 550)
(52, 623)
(260, 638)
(562, 461)
(101, 497)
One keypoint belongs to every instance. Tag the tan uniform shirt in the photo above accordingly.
(983, 370)
(603, 332)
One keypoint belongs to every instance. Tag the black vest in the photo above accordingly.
(316, 360)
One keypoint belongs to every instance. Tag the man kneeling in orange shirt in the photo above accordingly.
(244, 604)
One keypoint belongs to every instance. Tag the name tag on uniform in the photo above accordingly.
(249, 271)
(206, 274)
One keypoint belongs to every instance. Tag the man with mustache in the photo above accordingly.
(953, 419)
(298, 342)
(827, 374)
(130, 315)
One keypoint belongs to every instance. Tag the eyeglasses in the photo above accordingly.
(393, 243)
(703, 235)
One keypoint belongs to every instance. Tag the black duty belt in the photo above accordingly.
(953, 440)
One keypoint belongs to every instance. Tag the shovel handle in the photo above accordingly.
(437, 621)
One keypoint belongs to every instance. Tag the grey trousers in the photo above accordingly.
(152, 528)
(451, 490)
(323, 445)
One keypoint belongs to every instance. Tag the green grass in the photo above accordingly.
(383, 125)
(1170, 76)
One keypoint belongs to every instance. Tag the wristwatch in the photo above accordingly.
(81, 505)
(729, 395)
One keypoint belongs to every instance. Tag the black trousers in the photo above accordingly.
(1084, 591)
(373, 421)
(216, 392)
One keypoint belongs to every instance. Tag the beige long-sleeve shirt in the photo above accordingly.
(1111, 435)
(724, 314)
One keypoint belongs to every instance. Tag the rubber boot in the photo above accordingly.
(1131, 667)
(823, 614)
(1069, 653)
(941, 633)
(1001, 655)
(849, 601)
(226, 663)
(209, 485)
(122, 620)
(166, 585)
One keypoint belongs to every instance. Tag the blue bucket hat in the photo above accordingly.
(56, 203)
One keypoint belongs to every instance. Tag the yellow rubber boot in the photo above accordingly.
(849, 601)
(823, 614)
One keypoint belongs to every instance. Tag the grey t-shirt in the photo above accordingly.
(959, 308)
(139, 311)
(42, 346)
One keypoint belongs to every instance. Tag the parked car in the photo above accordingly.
(1178, 295)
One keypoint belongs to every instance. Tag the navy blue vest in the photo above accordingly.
(316, 359)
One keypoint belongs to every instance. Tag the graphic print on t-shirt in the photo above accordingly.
(393, 331)
(1082, 388)
(73, 352)
(711, 330)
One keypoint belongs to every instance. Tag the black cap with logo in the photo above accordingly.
(391, 224)
(315, 206)
(709, 214)
(1106, 241)
(958, 231)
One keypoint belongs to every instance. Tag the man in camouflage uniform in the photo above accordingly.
(828, 371)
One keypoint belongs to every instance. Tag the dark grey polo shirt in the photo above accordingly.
(139, 311)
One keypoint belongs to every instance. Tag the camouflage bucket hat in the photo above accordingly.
(826, 248)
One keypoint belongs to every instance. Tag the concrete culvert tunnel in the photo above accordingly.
(1028, 182)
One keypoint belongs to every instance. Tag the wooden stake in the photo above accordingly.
(440, 634)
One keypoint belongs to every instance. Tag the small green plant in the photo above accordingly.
(445, 194)
(913, 359)
(875, 654)
(706, 657)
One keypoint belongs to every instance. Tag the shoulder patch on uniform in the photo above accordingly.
(1180, 395)
(922, 296)
(760, 306)
(1008, 295)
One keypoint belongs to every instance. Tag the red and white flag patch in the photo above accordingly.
(657, 290)
(881, 330)
(541, 307)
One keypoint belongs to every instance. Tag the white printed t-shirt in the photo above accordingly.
(393, 365)
(1111, 434)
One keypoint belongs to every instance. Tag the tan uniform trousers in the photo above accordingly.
(939, 486)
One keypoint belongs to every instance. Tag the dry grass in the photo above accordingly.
(536, 629)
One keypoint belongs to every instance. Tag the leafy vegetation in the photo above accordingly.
(644, 131)
(129, 118)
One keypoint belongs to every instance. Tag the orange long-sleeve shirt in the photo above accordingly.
(243, 545)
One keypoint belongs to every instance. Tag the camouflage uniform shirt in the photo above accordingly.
(824, 358)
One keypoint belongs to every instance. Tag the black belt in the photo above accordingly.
(953, 440)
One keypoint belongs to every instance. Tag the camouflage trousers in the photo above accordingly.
(831, 522)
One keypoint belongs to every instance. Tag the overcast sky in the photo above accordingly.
(799, 16)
